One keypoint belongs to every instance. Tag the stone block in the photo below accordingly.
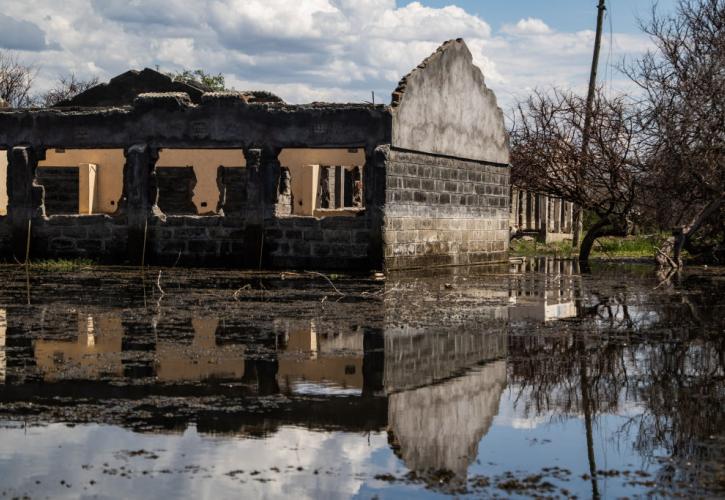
(172, 247)
(190, 233)
(91, 247)
(206, 246)
(301, 248)
(74, 232)
(313, 235)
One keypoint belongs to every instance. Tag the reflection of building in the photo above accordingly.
(3, 332)
(544, 289)
(440, 401)
(424, 360)
(316, 356)
(93, 354)
(438, 427)
(202, 359)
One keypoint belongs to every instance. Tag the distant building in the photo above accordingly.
(544, 217)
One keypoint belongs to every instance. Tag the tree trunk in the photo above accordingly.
(671, 251)
(601, 228)
(578, 226)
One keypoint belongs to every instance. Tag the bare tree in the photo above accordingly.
(546, 140)
(683, 83)
(16, 81)
(66, 88)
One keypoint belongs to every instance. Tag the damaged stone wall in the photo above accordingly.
(98, 237)
(430, 187)
(154, 222)
(189, 239)
(304, 242)
(444, 211)
(61, 189)
(176, 190)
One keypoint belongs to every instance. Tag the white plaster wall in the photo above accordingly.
(446, 108)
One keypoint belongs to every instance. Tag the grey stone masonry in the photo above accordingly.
(309, 242)
(176, 188)
(61, 189)
(444, 211)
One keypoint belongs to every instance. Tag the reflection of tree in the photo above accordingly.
(668, 360)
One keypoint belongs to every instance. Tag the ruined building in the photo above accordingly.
(544, 217)
(143, 169)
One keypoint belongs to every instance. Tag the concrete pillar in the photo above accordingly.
(339, 186)
(543, 214)
(522, 210)
(550, 219)
(25, 196)
(530, 210)
(140, 197)
(87, 188)
(514, 211)
(324, 194)
(556, 215)
(569, 217)
(374, 178)
(264, 181)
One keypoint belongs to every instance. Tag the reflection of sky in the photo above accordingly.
(346, 462)
(323, 389)
(54, 453)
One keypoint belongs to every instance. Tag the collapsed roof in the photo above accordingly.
(124, 88)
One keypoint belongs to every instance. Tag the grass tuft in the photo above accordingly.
(61, 265)
(642, 246)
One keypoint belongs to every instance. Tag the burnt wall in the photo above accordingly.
(443, 211)
(5, 237)
(100, 237)
(203, 240)
(233, 188)
(176, 189)
(220, 121)
(307, 242)
(61, 189)
(253, 228)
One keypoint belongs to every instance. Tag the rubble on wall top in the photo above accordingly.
(226, 97)
(162, 100)
(400, 89)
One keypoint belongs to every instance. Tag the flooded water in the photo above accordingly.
(528, 380)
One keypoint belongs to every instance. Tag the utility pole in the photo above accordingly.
(578, 212)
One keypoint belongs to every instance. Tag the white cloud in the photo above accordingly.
(528, 26)
(303, 49)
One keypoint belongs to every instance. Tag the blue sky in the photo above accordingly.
(563, 15)
(324, 50)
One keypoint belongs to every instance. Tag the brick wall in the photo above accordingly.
(443, 211)
(176, 189)
(100, 237)
(234, 180)
(61, 189)
(326, 243)
(5, 235)
(193, 239)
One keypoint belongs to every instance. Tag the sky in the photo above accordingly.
(325, 50)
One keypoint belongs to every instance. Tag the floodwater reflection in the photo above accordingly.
(522, 380)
